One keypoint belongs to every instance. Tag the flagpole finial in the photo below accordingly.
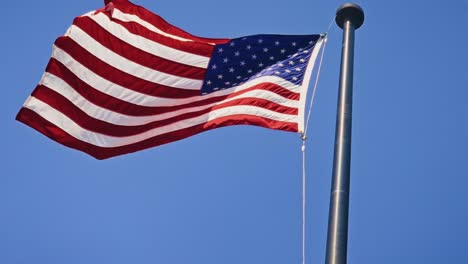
(351, 12)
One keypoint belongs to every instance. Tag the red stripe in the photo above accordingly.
(106, 101)
(119, 77)
(37, 122)
(198, 48)
(123, 107)
(67, 108)
(144, 58)
(162, 24)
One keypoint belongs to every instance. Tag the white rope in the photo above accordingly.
(303, 198)
(303, 148)
(331, 24)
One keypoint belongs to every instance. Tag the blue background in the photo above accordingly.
(233, 195)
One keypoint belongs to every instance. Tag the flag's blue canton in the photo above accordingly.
(247, 58)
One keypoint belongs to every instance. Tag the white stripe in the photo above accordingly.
(149, 46)
(133, 18)
(73, 129)
(305, 84)
(58, 85)
(125, 17)
(125, 94)
(101, 52)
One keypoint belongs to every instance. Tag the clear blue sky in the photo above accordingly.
(232, 195)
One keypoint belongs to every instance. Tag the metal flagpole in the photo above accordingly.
(349, 17)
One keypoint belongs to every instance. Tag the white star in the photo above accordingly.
(242, 63)
(294, 44)
(302, 60)
(232, 44)
(287, 70)
(277, 43)
(272, 58)
(214, 67)
(249, 71)
(220, 50)
(231, 69)
(220, 76)
(260, 65)
(216, 88)
(277, 72)
(236, 53)
(311, 42)
(208, 82)
(295, 78)
(225, 60)
(260, 41)
(249, 47)
(281, 65)
(298, 69)
(254, 56)
(227, 83)
(265, 50)
(291, 62)
(306, 51)
(238, 77)
(283, 51)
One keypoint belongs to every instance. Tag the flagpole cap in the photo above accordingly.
(351, 12)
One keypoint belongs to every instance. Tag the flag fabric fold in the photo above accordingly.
(122, 79)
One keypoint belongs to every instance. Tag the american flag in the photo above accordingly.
(122, 79)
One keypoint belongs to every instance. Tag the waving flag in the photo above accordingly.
(122, 79)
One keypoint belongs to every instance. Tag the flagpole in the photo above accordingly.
(349, 17)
